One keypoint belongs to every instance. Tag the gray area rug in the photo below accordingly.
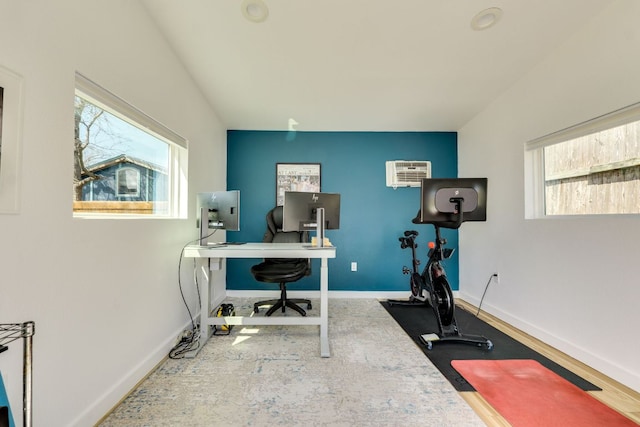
(274, 375)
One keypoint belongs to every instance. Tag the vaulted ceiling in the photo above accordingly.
(361, 65)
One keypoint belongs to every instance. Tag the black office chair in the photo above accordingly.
(281, 270)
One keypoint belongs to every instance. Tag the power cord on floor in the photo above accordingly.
(189, 339)
(188, 342)
(485, 291)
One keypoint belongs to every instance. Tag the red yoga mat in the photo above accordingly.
(527, 394)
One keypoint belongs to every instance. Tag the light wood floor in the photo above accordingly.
(615, 395)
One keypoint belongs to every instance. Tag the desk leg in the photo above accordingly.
(205, 301)
(203, 275)
(324, 308)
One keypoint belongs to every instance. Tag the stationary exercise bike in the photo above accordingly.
(431, 286)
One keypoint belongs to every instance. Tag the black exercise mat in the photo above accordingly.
(419, 319)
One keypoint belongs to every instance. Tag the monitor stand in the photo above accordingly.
(204, 225)
(320, 227)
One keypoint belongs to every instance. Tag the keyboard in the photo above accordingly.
(216, 244)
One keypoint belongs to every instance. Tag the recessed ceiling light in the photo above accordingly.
(254, 10)
(486, 19)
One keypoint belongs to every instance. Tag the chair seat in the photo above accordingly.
(279, 273)
(281, 270)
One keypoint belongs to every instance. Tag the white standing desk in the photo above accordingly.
(209, 260)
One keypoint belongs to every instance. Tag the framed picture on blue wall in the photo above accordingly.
(303, 177)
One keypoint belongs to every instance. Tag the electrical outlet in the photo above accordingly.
(354, 266)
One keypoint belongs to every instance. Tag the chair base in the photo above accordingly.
(283, 303)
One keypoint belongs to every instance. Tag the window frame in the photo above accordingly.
(177, 170)
(535, 198)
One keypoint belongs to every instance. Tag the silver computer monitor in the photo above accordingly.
(217, 210)
(300, 210)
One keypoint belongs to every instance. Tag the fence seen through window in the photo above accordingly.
(588, 169)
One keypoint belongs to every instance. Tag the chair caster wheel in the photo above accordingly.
(309, 306)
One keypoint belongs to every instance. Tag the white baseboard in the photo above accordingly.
(122, 388)
(316, 294)
(612, 370)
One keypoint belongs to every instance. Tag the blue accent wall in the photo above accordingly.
(373, 216)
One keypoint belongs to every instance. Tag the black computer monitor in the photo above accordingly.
(299, 210)
(440, 197)
(218, 210)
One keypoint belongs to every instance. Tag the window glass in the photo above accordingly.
(589, 169)
(128, 183)
(125, 163)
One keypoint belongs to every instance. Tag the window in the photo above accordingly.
(125, 163)
(128, 182)
(589, 169)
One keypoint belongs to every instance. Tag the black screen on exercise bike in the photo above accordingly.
(439, 197)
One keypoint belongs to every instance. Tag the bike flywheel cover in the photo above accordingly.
(445, 303)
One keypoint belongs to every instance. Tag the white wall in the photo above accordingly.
(103, 294)
(572, 282)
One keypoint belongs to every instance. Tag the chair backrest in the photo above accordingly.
(274, 233)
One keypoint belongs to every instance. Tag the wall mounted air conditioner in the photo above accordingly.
(407, 173)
